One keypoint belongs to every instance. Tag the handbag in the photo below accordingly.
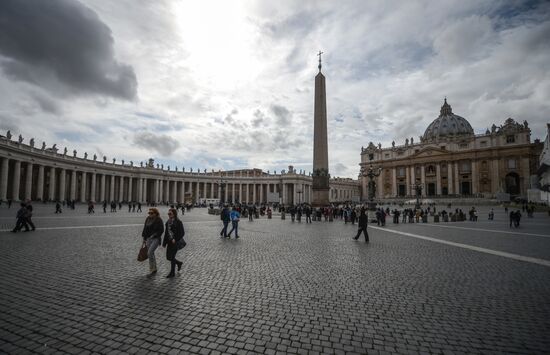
(180, 244)
(142, 255)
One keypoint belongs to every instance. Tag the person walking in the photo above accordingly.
(173, 233)
(58, 207)
(28, 218)
(21, 219)
(362, 225)
(152, 232)
(308, 214)
(225, 217)
(235, 217)
(139, 207)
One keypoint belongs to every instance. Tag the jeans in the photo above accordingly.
(234, 226)
(223, 232)
(152, 245)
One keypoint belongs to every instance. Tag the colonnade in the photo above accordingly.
(26, 180)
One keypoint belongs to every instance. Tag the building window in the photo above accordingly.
(443, 147)
(401, 171)
(371, 156)
(510, 139)
(387, 155)
(465, 167)
(430, 170)
(463, 145)
(483, 143)
(511, 163)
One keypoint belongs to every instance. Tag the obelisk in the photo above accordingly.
(321, 176)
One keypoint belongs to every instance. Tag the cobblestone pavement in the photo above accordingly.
(74, 286)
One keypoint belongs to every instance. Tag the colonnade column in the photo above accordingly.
(144, 191)
(130, 188)
(233, 192)
(156, 191)
(16, 180)
(261, 193)
(197, 196)
(254, 193)
(28, 182)
(40, 186)
(51, 192)
(160, 189)
(4, 180)
(112, 189)
(72, 194)
(121, 189)
(102, 188)
(284, 194)
(140, 190)
(62, 182)
(92, 187)
(83, 188)
(175, 192)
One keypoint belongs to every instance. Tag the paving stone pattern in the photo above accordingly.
(281, 288)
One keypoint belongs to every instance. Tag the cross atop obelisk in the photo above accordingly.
(321, 175)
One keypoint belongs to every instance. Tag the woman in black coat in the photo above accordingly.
(172, 234)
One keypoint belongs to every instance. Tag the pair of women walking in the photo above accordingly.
(173, 237)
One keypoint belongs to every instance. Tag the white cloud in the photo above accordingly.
(233, 88)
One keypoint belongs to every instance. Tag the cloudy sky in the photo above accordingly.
(229, 84)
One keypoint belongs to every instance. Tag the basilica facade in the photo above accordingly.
(449, 160)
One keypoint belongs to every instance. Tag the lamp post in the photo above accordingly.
(222, 184)
(417, 187)
(371, 173)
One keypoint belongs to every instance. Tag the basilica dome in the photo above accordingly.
(447, 125)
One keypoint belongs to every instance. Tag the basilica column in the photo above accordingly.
(438, 179)
(92, 187)
(379, 188)
(450, 179)
(121, 189)
(4, 180)
(457, 187)
(40, 184)
(423, 179)
(407, 181)
(83, 187)
(16, 180)
(51, 192)
(394, 182)
(72, 194)
(495, 177)
(62, 183)
(28, 182)
(475, 188)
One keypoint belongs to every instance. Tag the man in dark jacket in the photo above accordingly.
(21, 219)
(225, 217)
(362, 224)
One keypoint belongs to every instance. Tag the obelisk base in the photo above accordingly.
(320, 198)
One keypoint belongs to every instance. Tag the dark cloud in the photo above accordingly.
(160, 143)
(282, 114)
(62, 42)
(46, 103)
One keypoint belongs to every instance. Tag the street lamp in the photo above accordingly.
(371, 173)
(222, 184)
(417, 187)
